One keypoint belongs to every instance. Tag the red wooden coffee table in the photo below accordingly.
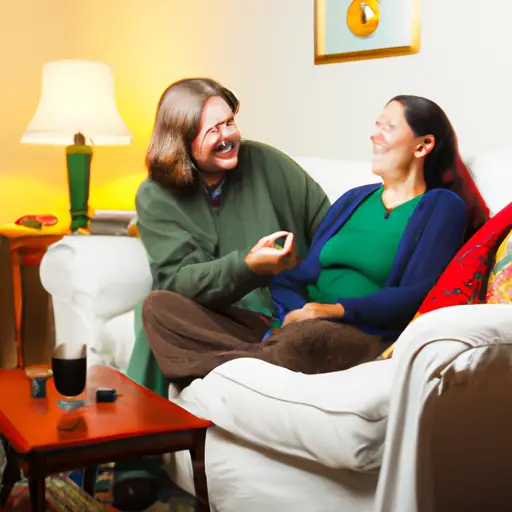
(138, 424)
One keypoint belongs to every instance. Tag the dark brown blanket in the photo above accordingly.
(189, 340)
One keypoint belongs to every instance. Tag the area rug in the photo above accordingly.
(170, 497)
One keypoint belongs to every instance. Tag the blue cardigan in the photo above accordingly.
(434, 234)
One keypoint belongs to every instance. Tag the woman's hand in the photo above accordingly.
(314, 310)
(265, 259)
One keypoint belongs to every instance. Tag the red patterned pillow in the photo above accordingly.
(464, 280)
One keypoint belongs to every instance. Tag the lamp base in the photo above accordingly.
(78, 158)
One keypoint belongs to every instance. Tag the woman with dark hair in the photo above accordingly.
(382, 247)
(444, 167)
(374, 258)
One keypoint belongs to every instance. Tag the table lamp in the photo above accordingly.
(77, 109)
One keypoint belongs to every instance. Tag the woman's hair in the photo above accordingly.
(427, 118)
(168, 159)
(443, 167)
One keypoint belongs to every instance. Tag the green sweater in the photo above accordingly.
(351, 265)
(198, 250)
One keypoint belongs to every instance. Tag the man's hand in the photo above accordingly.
(265, 259)
(314, 310)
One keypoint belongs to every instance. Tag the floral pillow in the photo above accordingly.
(499, 287)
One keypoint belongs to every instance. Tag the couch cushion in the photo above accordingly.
(492, 176)
(338, 176)
(337, 419)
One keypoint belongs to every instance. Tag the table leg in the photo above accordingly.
(37, 488)
(11, 475)
(199, 469)
(89, 479)
(18, 298)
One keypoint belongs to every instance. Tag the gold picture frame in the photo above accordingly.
(364, 31)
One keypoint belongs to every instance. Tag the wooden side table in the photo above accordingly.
(26, 246)
(138, 424)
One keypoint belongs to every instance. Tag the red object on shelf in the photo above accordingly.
(44, 219)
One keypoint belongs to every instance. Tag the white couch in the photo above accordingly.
(295, 443)
(284, 441)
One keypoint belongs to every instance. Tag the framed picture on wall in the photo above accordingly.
(347, 30)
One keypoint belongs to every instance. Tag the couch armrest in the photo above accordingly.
(112, 270)
(337, 419)
(439, 351)
(92, 279)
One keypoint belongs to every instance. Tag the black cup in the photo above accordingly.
(69, 368)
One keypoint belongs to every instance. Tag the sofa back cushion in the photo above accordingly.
(338, 176)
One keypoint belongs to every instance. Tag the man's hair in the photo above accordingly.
(169, 160)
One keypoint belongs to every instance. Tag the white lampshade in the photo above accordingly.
(77, 96)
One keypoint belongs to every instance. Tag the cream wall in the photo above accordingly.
(263, 49)
(31, 33)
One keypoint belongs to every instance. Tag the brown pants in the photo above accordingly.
(189, 340)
